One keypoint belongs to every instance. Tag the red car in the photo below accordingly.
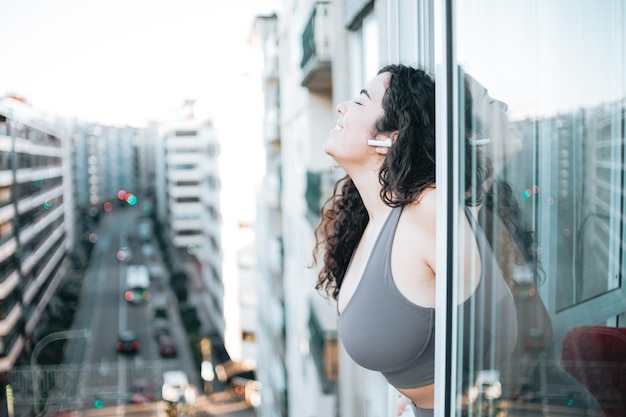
(167, 346)
(141, 392)
(127, 342)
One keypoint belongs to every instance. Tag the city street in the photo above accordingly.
(95, 379)
(105, 313)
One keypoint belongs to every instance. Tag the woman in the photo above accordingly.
(378, 236)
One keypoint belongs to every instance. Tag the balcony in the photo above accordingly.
(313, 194)
(324, 343)
(317, 48)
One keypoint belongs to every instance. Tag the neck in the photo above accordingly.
(369, 188)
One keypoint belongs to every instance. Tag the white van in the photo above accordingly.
(137, 284)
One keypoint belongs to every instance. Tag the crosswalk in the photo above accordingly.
(69, 384)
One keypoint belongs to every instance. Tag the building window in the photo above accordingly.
(364, 51)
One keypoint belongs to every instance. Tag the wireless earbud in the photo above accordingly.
(478, 142)
(385, 143)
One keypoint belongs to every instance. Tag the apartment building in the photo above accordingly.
(188, 187)
(184, 144)
(36, 224)
(144, 161)
(209, 254)
(205, 199)
(298, 354)
(108, 157)
(270, 337)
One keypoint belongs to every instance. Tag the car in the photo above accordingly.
(147, 250)
(141, 392)
(157, 272)
(124, 254)
(144, 230)
(160, 312)
(127, 342)
(161, 326)
(167, 346)
(174, 385)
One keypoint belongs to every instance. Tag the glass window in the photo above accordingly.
(365, 59)
(541, 102)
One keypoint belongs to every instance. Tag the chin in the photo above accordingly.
(327, 148)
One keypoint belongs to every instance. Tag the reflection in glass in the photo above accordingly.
(587, 183)
(550, 200)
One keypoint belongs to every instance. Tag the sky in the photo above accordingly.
(124, 61)
(548, 57)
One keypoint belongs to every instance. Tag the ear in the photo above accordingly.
(393, 136)
(382, 150)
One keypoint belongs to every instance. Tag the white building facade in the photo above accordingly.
(270, 337)
(184, 145)
(36, 222)
(326, 51)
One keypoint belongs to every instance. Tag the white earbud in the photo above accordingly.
(479, 142)
(385, 143)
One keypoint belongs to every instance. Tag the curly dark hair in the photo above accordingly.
(477, 167)
(406, 172)
(499, 202)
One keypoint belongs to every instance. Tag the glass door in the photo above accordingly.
(539, 256)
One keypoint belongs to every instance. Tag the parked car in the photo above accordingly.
(145, 231)
(147, 250)
(167, 346)
(161, 326)
(127, 342)
(160, 312)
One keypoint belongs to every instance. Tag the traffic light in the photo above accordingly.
(131, 199)
(97, 402)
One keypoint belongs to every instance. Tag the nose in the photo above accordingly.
(504, 106)
(341, 107)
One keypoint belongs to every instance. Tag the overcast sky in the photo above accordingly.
(121, 61)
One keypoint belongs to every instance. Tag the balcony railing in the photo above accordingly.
(316, 48)
(324, 345)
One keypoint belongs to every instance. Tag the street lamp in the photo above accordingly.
(64, 334)
(206, 367)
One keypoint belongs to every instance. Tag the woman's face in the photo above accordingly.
(492, 122)
(356, 123)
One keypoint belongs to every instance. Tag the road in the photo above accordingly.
(95, 371)
(96, 380)
(114, 373)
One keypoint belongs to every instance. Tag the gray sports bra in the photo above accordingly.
(383, 331)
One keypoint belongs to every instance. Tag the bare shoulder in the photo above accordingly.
(423, 212)
(417, 225)
(413, 258)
